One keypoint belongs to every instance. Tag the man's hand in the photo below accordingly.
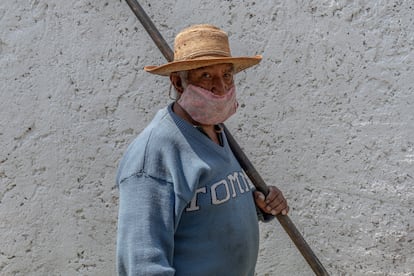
(275, 203)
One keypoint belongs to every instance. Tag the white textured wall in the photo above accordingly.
(328, 116)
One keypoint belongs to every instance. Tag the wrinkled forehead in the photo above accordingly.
(224, 67)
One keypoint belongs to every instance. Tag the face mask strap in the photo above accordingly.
(170, 94)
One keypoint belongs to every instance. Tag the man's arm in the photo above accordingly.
(145, 240)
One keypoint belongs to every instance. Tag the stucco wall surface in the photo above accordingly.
(327, 116)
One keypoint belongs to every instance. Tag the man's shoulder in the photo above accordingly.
(156, 142)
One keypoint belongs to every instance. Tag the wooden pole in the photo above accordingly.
(285, 221)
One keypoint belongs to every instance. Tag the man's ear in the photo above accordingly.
(176, 82)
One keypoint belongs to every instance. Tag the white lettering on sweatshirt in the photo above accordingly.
(222, 191)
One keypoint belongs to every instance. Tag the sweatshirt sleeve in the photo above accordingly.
(145, 241)
(262, 216)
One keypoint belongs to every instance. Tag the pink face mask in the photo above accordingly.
(207, 108)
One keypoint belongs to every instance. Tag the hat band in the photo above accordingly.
(204, 53)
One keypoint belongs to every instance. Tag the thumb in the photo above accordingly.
(259, 198)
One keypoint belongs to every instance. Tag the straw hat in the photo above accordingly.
(200, 46)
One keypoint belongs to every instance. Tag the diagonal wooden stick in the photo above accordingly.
(285, 221)
(245, 163)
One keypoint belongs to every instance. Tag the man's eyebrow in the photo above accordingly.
(199, 70)
(230, 68)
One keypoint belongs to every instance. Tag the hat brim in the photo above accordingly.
(239, 63)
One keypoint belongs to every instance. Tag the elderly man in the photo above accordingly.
(186, 206)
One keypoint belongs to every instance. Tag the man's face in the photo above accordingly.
(216, 78)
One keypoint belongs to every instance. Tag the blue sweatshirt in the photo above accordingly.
(185, 206)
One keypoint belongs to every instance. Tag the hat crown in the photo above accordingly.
(202, 40)
(200, 46)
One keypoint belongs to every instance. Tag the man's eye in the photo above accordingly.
(206, 75)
